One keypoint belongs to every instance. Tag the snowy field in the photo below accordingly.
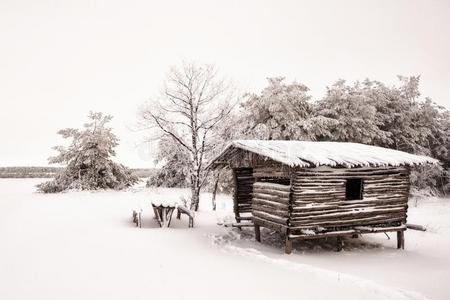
(82, 245)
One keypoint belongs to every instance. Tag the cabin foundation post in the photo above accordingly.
(257, 233)
(339, 244)
(400, 239)
(288, 245)
(235, 199)
(237, 217)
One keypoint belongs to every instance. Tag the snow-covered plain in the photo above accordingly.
(82, 245)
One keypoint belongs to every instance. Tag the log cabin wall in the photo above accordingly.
(319, 198)
(247, 168)
(271, 205)
(271, 197)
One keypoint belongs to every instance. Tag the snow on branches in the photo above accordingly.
(88, 159)
(194, 101)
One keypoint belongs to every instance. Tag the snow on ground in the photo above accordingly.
(82, 245)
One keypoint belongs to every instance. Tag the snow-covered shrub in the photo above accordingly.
(225, 184)
(88, 160)
(433, 179)
(185, 201)
(174, 171)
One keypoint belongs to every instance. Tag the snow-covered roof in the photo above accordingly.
(314, 154)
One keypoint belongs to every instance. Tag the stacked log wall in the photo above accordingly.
(319, 198)
(271, 205)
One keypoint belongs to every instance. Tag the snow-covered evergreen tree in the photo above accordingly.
(351, 114)
(280, 111)
(87, 160)
(394, 117)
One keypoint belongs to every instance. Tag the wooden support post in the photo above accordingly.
(235, 191)
(339, 244)
(288, 246)
(257, 233)
(288, 243)
(235, 198)
(400, 239)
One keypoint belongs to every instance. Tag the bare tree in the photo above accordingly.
(194, 101)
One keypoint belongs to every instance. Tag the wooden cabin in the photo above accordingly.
(308, 190)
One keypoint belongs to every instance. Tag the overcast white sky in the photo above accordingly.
(60, 59)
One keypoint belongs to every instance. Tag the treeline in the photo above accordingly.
(143, 173)
(368, 112)
(29, 172)
(51, 172)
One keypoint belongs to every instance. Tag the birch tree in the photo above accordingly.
(194, 101)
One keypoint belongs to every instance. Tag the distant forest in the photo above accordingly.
(50, 172)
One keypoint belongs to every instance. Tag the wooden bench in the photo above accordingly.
(184, 210)
(137, 217)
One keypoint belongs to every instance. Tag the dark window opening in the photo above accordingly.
(279, 180)
(354, 189)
